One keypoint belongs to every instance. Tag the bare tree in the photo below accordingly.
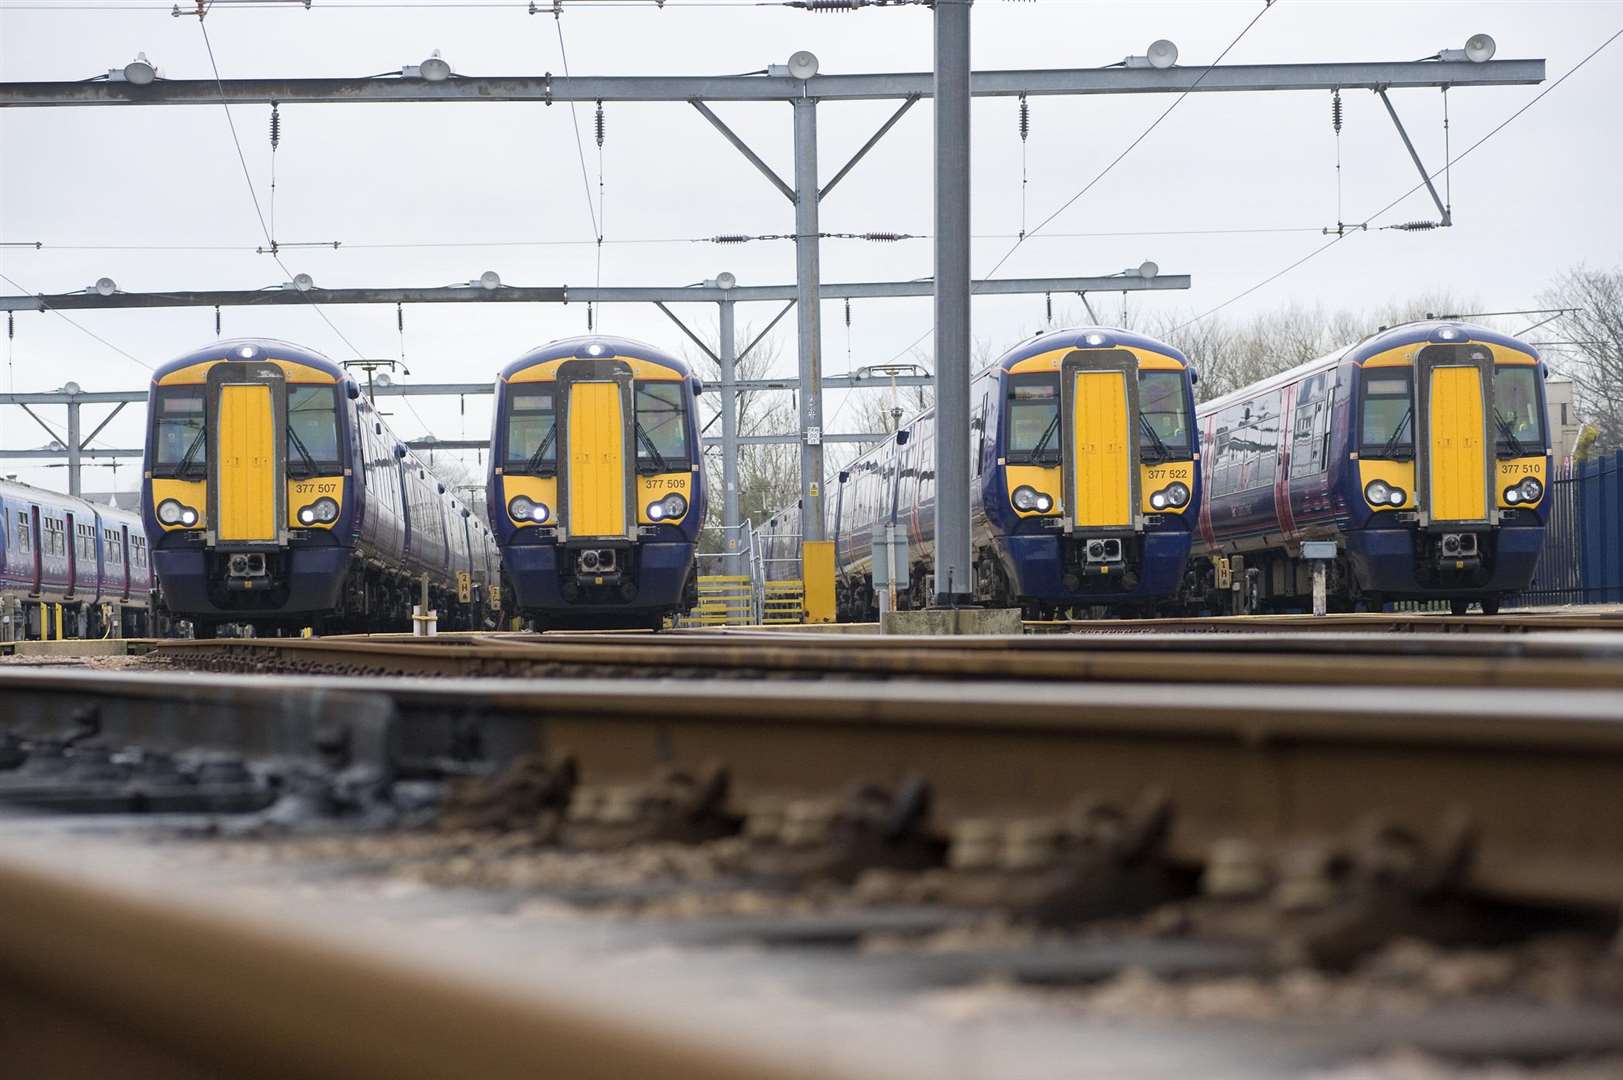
(768, 475)
(1592, 353)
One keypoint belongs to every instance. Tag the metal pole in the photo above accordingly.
(954, 583)
(809, 314)
(75, 485)
(729, 437)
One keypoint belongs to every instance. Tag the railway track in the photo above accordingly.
(877, 836)
(1589, 659)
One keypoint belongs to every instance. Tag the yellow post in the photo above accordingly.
(58, 608)
(817, 571)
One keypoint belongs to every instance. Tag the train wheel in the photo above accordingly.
(1459, 607)
(204, 629)
(1490, 604)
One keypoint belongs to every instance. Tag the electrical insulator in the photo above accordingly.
(400, 318)
(848, 313)
(1416, 226)
(884, 237)
(11, 325)
(216, 320)
(833, 5)
(588, 317)
(730, 238)
(276, 125)
(1048, 302)
(1025, 118)
(1335, 110)
(600, 125)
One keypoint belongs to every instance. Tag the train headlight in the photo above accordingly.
(1174, 494)
(1028, 500)
(1530, 489)
(669, 508)
(1380, 493)
(323, 511)
(173, 512)
(524, 508)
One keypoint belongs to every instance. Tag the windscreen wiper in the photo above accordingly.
(1048, 433)
(534, 463)
(653, 451)
(191, 451)
(1391, 446)
(298, 444)
(1510, 435)
(1160, 446)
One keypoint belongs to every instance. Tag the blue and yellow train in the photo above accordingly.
(1084, 483)
(596, 485)
(275, 496)
(1421, 453)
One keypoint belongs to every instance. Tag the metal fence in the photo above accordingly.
(1582, 558)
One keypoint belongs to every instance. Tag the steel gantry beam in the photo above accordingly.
(566, 294)
(1226, 78)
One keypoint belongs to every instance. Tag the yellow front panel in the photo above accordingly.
(597, 471)
(1040, 478)
(247, 467)
(1398, 474)
(650, 488)
(189, 493)
(1514, 471)
(1153, 478)
(541, 489)
(1457, 452)
(302, 493)
(1099, 451)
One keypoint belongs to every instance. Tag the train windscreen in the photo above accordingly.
(1164, 427)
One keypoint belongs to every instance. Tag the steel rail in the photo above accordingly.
(1538, 770)
(103, 978)
(1321, 660)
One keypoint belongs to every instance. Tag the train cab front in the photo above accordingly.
(1097, 489)
(595, 486)
(245, 485)
(1450, 467)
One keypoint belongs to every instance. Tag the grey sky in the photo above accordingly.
(1534, 200)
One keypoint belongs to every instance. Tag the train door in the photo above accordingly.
(1455, 399)
(247, 437)
(124, 552)
(1098, 406)
(597, 449)
(71, 535)
(37, 586)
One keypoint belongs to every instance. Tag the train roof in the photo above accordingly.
(1086, 337)
(606, 345)
(231, 348)
(1395, 337)
(17, 491)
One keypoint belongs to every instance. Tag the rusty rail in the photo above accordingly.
(1538, 770)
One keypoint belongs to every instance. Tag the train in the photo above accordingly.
(1084, 484)
(70, 568)
(276, 497)
(1421, 453)
(596, 487)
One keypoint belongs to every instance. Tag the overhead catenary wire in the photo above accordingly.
(1104, 172)
(247, 175)
(74, 323)
(1321, 249)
